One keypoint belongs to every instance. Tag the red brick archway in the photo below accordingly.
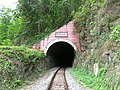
(66, 34)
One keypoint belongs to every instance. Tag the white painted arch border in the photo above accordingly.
(59, 40)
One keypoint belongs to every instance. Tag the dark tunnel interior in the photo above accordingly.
(61, 54)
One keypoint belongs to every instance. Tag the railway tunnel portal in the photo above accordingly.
(60, 47)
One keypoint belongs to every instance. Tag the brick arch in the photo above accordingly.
(65, 33)
(60, 40)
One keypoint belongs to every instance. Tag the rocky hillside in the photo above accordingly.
(98, 27)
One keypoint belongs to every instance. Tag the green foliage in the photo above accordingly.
(34, 19)
(37, 38)
(117, 53)
(13, 62)
(93, 23)
(7, 74)
(118, 83)
(10, 26)
(6, 42)
(88, 79)
(44, 15)
(86, 16)
(21, 53)
(115, 34)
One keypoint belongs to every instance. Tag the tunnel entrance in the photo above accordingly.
(61, 54)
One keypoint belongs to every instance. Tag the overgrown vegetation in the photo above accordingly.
(10, 26)
(99, 82)
(31, 21)
(17, 64)
(96, 21)
(34, 19)
(98, 27)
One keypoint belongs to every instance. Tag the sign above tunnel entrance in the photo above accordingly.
(66, 33)
(61, 34)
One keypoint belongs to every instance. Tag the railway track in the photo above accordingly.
(58, 81)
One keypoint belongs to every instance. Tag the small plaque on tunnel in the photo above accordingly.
(61, 34)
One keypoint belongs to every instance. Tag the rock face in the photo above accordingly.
(94, 37)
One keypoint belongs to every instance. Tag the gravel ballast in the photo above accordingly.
(43, 82)
(72, 83)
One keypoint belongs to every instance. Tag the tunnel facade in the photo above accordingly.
(60, 46)
(61, 54)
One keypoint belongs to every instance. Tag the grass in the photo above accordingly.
(100, 82)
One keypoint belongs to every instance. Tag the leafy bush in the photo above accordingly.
(15, 62)
(115, 34)
(10, 26)
(6, 42)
